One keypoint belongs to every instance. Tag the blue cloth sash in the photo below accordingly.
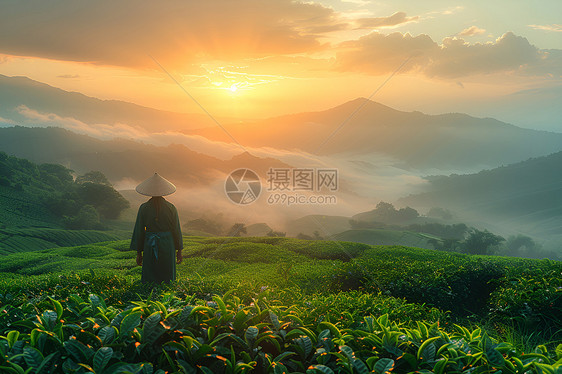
(153, 241)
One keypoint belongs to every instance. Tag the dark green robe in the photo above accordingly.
(157, 234)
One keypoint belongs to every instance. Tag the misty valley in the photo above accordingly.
(408, 243)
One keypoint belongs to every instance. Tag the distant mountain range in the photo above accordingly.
(18, 91)
(415, 139)
(119, 159)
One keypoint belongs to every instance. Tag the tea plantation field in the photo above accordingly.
(279, 305)
(16, 239)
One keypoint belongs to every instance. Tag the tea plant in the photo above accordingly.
(167, 333)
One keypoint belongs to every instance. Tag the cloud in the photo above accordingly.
(377, 53)
(472, 31)
(102, 131)
(457, 58)
(68, 76)
(6, 122)
(554, 27)
(125, 33)
(398, 18)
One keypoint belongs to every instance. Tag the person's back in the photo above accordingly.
(157, 233)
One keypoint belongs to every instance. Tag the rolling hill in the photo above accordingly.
(325, 225)
(525, 196)
(31, 214)
(386, 237)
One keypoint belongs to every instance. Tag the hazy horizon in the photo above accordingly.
(488, 60)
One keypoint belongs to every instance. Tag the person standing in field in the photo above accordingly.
(157, 234)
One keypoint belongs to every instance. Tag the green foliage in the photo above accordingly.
(45, 194)
(385, 213)
(222, 334)
(533, 297)
(274, 304)
(15, 240)
(96, 177)
(481, 242)
(523, 246)
(277, 234)
(107, 201)
(56, 176)
(87, 218)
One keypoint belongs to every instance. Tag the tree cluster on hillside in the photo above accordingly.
(475, 242)
(315, 236)
(483, 242)
(80, 203)
(382, 216)
(386, 212)
(457, 237)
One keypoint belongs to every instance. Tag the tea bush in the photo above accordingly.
(166, 333)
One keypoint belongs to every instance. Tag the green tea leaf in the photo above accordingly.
(102, 358)
(439, 367)
(384, 366)
(131, 321)
(58, 307)
(251, 333)
(78, 350)
(12, 337)
(424, 345)
(47, 364)
(494, 357)
(33, 357)
(49, 319)
(559, 351)
(107, 334)
(360, 366)
(330, 326)
(319, 368)
(151, 329)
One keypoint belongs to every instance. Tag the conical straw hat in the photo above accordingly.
(156, 186)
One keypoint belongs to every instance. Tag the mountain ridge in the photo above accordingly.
(20, 90)
(414, 139)
(359, 127)
(122, 158)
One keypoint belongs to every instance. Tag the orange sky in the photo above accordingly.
(250, 58)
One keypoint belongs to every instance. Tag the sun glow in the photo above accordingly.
(233, 88)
